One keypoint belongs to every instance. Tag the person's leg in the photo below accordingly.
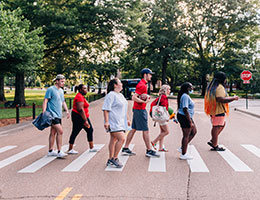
(185, 139)
(120, 139)
(111, 146)
(52, 138)
(129, 138)
(76, 128)
(215, 131)
(146, 138)
(164, 131)
(192, 133)
(89, 132)
(59, 131)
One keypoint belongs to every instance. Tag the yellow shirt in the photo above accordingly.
(220, 107)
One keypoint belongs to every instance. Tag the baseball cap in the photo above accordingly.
(146, 71)
(59, 77)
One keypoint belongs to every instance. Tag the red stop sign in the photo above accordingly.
(246, 75)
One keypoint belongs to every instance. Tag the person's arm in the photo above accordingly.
(106, 117)
(138, 100)
(226, 99)
(44, 105)
(80, 109)
(66, 108)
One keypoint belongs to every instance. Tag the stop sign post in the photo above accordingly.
(246, 75)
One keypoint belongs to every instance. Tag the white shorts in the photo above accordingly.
(163, 123)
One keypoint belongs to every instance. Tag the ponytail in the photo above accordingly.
(78, 88)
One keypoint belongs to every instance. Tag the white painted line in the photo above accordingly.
(15, 129)
(157, 164)
(41, 162)
(237, 164)
(196, 164)
(78, 163)
(6, 148)
(20, 155)
(122, 159)
(253, 149)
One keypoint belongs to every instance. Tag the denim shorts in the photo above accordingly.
(140, 120)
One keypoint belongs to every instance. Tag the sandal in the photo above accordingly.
(217, 148)
(163, 149)
(210, 144)
(154, 145)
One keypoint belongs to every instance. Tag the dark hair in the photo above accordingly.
(184, 89)
(78, 88)
(219, 78)
(111, 85)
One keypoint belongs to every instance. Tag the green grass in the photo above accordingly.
(31, 96)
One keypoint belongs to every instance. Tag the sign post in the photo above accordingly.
(246, 75)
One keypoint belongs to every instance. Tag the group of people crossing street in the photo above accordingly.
(117, 122)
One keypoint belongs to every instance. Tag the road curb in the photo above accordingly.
(247, 112)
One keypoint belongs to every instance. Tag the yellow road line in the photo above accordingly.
(63, 194)
(77, 197)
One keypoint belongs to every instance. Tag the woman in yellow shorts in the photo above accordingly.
(216, 105)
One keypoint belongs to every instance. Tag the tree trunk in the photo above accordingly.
(100, 84)
(230, 86)
(19, 97)
(164, 68)
(2, 92)
(204, 84)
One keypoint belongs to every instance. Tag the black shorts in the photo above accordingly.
(184, 122)
(56, 121)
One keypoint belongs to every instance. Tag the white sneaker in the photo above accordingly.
(52, 153)
(61, 154)
(186, 157)
(72, 151)
(93, 150)
(179, 150)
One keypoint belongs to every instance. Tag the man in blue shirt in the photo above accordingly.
(53, 102)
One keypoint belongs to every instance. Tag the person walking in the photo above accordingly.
(53, 102)
(140, 116)
(80, 119)
(164, 128)
(115, 120)
(185, 117)
(216, 105)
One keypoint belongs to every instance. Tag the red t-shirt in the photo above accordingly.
(163, 102)
(141, 88)
(80, 98)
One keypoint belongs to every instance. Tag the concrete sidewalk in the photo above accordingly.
(253, 107)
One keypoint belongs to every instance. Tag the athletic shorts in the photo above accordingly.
(218, 120)
(56, 121)
(184, 122)
(140, 120)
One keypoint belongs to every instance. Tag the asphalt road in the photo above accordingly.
(26, 173)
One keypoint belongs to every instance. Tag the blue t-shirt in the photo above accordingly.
(186, 102)
(55, 98)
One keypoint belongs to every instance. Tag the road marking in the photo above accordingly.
(196, 164)
(253, 149)
(157, 164)
(15, 129)
(41, 162)
(64, 193)
(123, 159)
(78, 163)
(77, 197)
(20, 155)
(237, 164)
(6, 148)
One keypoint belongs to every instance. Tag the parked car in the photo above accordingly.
(129, 86)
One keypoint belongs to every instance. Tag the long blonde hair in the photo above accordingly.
(163, 89)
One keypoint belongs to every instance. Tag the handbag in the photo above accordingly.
(160, 113)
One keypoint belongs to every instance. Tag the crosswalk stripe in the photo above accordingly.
(63, 194)
(20, 155)
(41, 162)
(78, 163)
(6, 148)
(253, 149)
(237, 164)
(77, 197)
(196, 164)
(123, 159)
(157, 164)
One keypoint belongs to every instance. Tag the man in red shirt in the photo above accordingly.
(140, 116)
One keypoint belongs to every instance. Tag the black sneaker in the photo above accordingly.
(109, 162)
(128, 152)
(151, 153)
(116, 163)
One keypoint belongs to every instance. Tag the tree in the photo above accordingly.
(21, 49)
(211, 25)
